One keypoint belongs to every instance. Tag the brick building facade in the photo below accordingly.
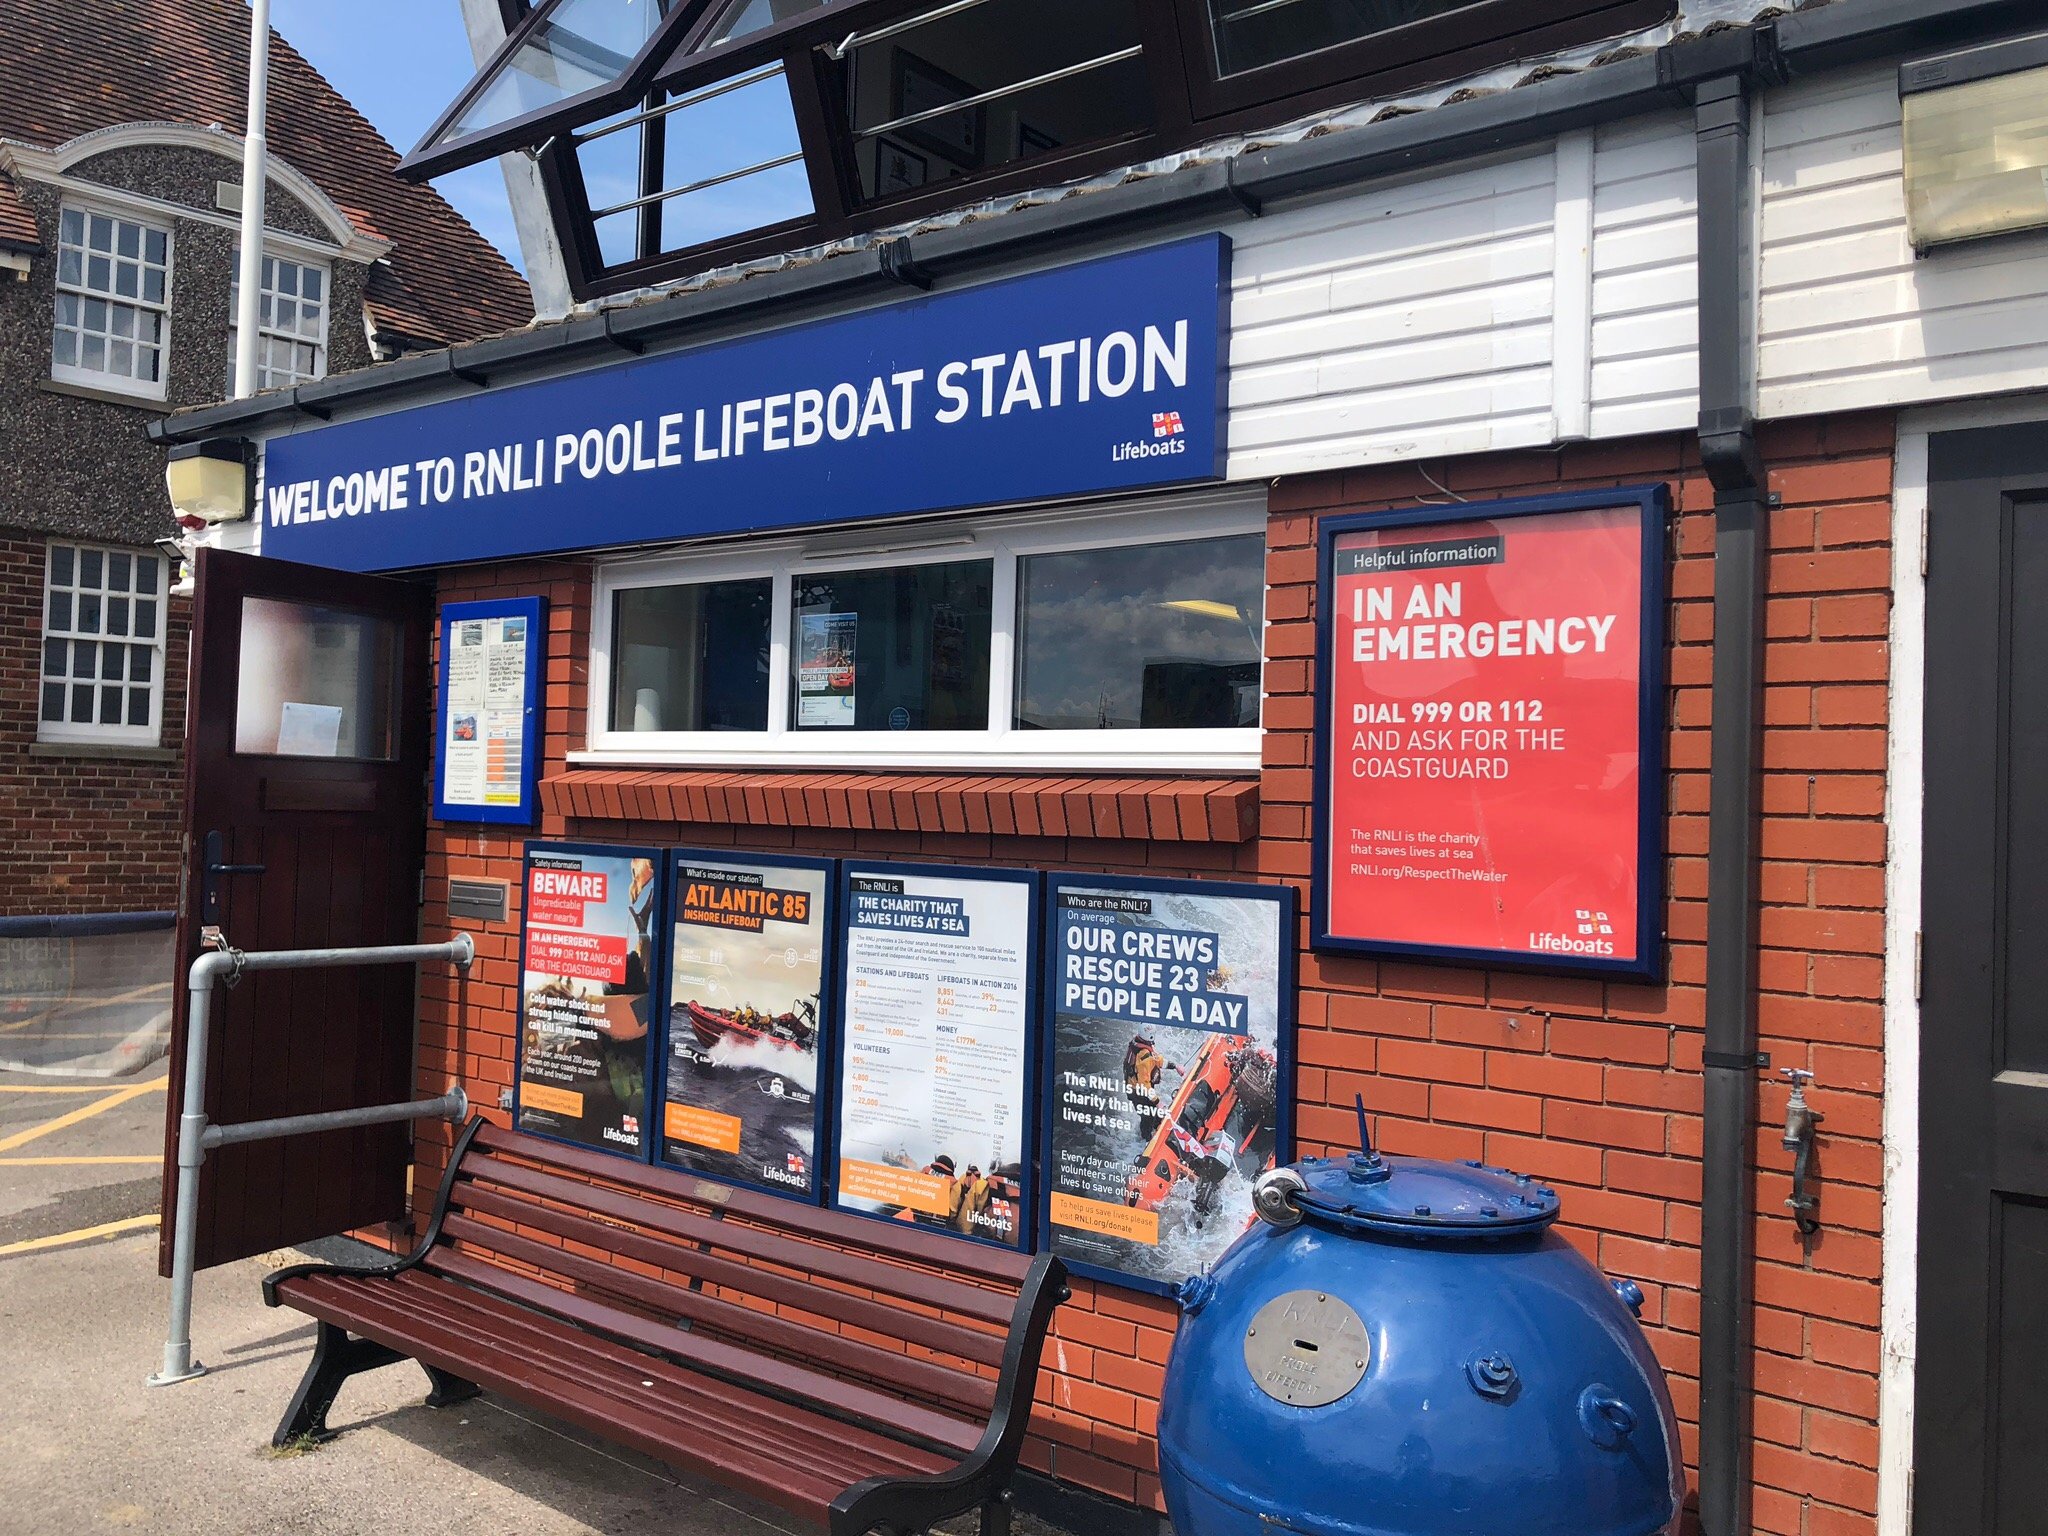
(118, 241)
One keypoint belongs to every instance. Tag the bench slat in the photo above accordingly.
(785, 1290)
(708, 1405)
(796, 1383)
(929, 1379)
(774, 1247)
(902, 1240)
(729, 1459)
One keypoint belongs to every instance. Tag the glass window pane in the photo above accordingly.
(81, 703)
(157, 246)
(899, 87)
(129, 240)
(117, 615)
(71, 228)
(582, 44)
(101, 237)
(903, 648)
(145, 618)
(70, 266)
(316, 681)
(54, 654)
(743, 18)
(141, 663)
(60, 610)
(1250, 34)
(53, 701)
(110, 706)
(117, 572)
(85, 658)
(146, 568)
(89, 565)
(60, 564)
(88, 613)
(138, 706)
(748, 135)
(1155, 636)
(691, 658)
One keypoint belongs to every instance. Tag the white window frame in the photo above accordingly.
(93, 732)
(90, 378)
(266, 377)
(1001, 540)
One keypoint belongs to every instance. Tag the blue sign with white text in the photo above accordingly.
(1102, 376)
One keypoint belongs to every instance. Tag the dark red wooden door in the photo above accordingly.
(305, 817)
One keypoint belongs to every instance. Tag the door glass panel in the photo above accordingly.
(316, 682)
(1151, 636)
(900, 649)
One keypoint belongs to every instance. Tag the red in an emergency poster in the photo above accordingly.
(1483, 756)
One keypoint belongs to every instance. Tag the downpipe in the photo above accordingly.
(196, 1137)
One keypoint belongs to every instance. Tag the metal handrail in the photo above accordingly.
(196, 1137)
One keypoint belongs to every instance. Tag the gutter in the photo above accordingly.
(1812, 40)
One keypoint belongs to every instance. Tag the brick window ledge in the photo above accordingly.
(1173, 810)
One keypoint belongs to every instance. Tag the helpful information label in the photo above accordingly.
(1484, 783)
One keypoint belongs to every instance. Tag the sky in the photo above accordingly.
(401, 62)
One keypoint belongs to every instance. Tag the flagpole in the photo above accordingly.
(255, 172)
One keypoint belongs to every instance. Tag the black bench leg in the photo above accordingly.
(995, 1515)
(336, 1357)
(448, 1389)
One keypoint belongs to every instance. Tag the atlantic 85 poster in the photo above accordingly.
(935, 1054)
(746, 982)
(588, 954)
(1169, 1093)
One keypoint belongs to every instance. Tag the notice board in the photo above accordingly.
(750, 947)
(1169, 1069)
(936, 1048)
(1489, 747)
(589, 939)
(487, 736)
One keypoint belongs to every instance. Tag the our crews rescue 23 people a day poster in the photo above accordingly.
(1168, 1092)
(936, 1049)
(1489, 763)
(588, 954)
(746, 974)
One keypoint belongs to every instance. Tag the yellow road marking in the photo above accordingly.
(66, 1087)
(70, 1162)
(86, 1112)
(82, 1235)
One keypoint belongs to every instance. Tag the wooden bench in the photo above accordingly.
(814, 1359)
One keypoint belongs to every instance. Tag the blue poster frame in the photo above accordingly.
(1653, 503)
(825, 1097)
(657, 972)
(1033, 882)
(534, 610)
(1287, 899)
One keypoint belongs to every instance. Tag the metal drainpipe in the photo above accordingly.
(1728, 451)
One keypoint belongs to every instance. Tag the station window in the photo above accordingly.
(103, 645)
(1129, 637)
(291, 330)
(1251, 34)
(113, 303)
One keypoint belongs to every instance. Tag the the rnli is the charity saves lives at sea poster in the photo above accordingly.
(1168, 1081)
(746, 982)
(936, 1049)
(1489, 781)
(588, 953)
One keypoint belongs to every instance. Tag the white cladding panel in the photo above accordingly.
(1418, 320)
(1849, 317)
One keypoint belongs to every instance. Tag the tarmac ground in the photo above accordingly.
(85, 1446)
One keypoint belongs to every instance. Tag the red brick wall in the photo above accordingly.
(1593, 1086)
(84, 833)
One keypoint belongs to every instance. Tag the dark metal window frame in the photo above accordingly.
(1192, 103)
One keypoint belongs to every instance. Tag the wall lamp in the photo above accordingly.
(211, 481)
(1976, 141)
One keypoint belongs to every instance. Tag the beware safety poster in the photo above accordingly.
(1168, 1083)
(1489, 762)
(936, 1052)
(746, 988)
(587, 958)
